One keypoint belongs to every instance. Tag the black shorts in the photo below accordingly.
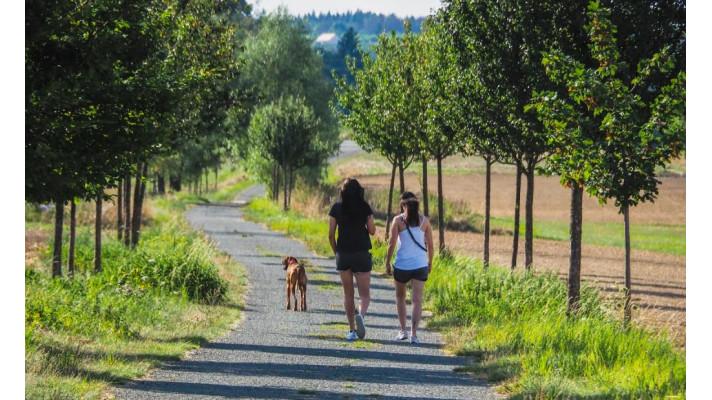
(405, 275)
(357, 261)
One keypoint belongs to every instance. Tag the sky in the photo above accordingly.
(402, 8)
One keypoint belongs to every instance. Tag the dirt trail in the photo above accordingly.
(279, 354)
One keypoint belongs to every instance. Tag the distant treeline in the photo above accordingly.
(365, 23)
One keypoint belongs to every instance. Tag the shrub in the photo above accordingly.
(169, 261)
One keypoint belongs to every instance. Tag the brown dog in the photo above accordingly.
(296, 277)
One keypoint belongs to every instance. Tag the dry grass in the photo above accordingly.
(35, 240)
(551, 200)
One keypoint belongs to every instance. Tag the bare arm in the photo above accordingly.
(370, 225)
(392, 244)
(332, 233)
(429, 243)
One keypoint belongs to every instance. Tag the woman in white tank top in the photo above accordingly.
(414, 237)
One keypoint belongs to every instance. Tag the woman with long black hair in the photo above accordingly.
(414, 259)
(352, 219)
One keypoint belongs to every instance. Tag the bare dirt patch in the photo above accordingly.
(551, 199)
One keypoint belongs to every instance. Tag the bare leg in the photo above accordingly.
(347, 282)
(400, 304)
(417, 305)
(363, 283)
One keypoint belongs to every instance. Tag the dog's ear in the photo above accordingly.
(285, 260)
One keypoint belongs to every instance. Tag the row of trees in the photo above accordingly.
(119, 93)
(593, 93)
(365, 22)
(114, 85)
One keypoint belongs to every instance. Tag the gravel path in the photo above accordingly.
(279, 354)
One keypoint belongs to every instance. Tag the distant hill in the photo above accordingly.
(368, 25)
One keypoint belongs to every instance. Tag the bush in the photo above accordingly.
(169, 261)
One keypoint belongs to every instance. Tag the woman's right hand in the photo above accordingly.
(388, 269)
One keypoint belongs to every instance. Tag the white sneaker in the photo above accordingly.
(414, 339)
(402, 335)
(351, 336)
(360, 326)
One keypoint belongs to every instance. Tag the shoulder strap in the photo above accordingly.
(413, 237)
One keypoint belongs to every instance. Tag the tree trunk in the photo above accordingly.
(529, 219)
(207, 180)
(401, 176)
(72, 236)
(58, 225)
(286, 187)
(627, 309)
(161, 184)
(291, 187)
(575, 255)
(175, 183)
(139, 193)
(120, 211)
(390, 201)
(488, 185)
(97, 234)
(426, 212)
(441, 208)
(517, 202)
(276, 182)
(127, 210)
(216, 178)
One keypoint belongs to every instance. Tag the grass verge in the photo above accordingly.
(515, 327)
(171, 294)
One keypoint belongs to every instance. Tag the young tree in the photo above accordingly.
(436, 74)
(286, 132)
(501, 42)
(625, 137)
(375, 107)
(279, 62)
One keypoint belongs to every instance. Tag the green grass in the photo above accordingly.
(171, 294)
(669, 239)
(230, 182)
(311, 231)
(515, 328)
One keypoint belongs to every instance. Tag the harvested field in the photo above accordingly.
(551, 199)
(658, 276)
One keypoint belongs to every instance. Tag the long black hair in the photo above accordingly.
(353, 205)
(409, 204)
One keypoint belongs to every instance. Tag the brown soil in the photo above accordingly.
(551, 199)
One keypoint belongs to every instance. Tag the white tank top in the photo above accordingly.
(409, 255)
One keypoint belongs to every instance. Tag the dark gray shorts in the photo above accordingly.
(405, 275)
(358, 261)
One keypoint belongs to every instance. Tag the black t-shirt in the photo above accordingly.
(351, 229)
